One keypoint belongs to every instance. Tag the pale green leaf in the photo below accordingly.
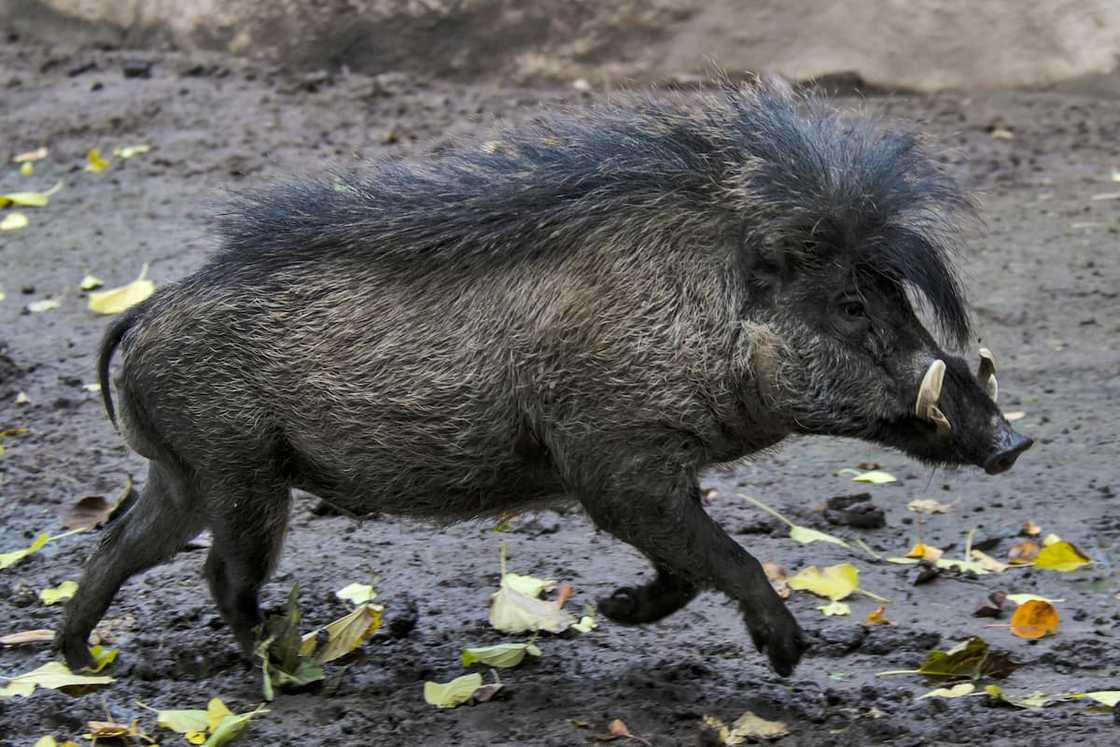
(183, 721)
(9, 559)
(835, 608)
(806, 536)
(453, 693)
(357, 593)
(59, 593)
(52, 676)
(502, 655)
(956, 691)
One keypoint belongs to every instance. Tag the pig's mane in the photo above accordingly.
(783, 173)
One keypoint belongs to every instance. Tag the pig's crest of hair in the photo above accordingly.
(783, 173)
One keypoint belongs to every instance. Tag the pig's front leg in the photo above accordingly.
(649, 503)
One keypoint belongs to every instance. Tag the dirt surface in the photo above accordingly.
(1044, 279)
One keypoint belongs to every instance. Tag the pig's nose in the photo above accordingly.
(1010, 446)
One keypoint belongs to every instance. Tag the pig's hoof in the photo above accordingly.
(783, 643)
(76, 653)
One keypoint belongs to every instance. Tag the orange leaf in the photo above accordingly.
(925, 552)
(878, 616)
(1034, 619)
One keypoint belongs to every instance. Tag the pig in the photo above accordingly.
(597, 306)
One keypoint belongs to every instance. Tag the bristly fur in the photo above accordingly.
(784, 170)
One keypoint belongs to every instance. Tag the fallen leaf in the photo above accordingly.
(502, 655)
(928, 506)
(91, 387)
(26, 169)
(281, 651)
(987, 562)
(453, 693)
(878, 616)
(93, 511)
(1060, 556)
(530, 586)
(102, 657)
(50, 741)
(1034, 701)
(343, 635)
(925, 552)
(27, 637)
(59, 593)
(47, 304)
(835, 608)
(1110, 698)
(778, 577)
(587, 622)
(32, 155)
(1001, 133)
(357, 593)
(835, 582)
(1034, 619)
(1014, 415)
(874, 477)
(91, 282)
(116, 300)
(13, 222)
(231, 726)
(1050, 539)
(1030, 529)
(94, 161)
(969, 659)
(51, 676)
(1023, 553)
(29, 199)
(23, 399)
(183, 722)
(216, 713)
(1024, 598)
(992, 606)
(129, 151)
(9, 559)
(111, 730)
(804, 535)
(746, 727)
(956, 691)
(514, 611)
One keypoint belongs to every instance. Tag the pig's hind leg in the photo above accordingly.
(248, 517)
(167, 514)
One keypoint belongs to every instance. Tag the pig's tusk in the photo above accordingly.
(986, 373)
(929, 394)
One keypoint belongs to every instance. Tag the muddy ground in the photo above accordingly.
(1044, 278)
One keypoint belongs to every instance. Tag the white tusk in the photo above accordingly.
(929, 393)
(986, 373)
(939, 420)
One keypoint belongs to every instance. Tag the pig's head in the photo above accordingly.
(850, 227)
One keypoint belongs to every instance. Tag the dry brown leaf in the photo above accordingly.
(1034, 619)
(1023, 553)
(1030, 529)
(778, 577)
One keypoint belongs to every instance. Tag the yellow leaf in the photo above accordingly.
(1050, 539)
(94, 161)
(874, 477)
(1034, 619)
(26, 169)
(184, 722)
(806, 536)
(356, 593)
(9, 559)
(29, 199)
(530, 586)
(230, 726)
(102, 657)
(1110, 698)
(13, 222)
(116, 300)
(453, 693)
(344, 634)
(91, 282)
(1060, 556)
(196, 737)
(835, 608)
(925, 552)
(956, 691)
(131, 150)
(878, 616)
(59, 593)
(503, 655)
(835, 582)
(515, 613)
(216, 712)
(52, 676)
(928, 506)
(32, 155)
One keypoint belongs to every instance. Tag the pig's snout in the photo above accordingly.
(1009, 444)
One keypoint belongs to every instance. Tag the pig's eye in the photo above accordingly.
(853, 308)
